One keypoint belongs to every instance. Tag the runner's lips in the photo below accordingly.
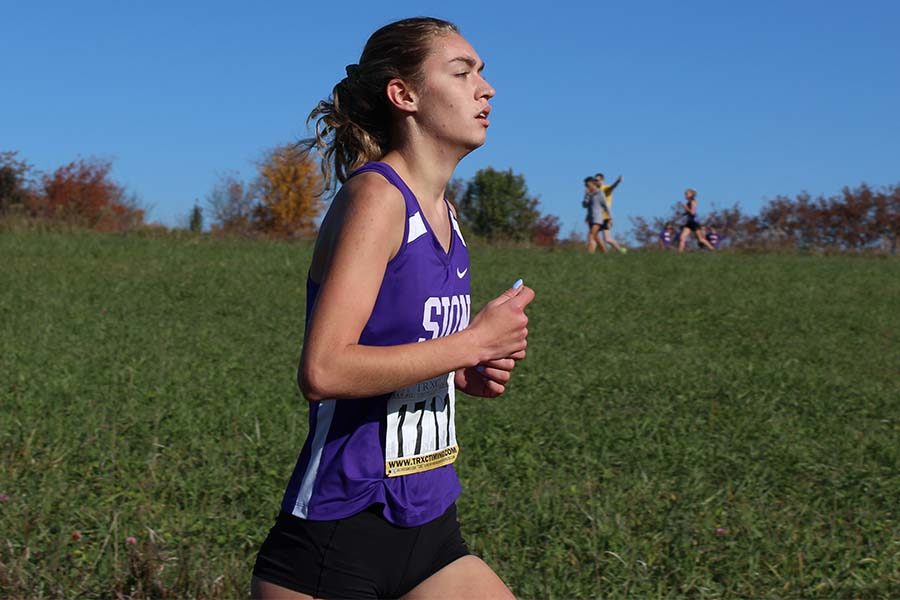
(483, 115)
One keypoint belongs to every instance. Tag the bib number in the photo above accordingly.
(420, 433)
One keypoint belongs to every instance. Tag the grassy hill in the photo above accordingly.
(684, 426)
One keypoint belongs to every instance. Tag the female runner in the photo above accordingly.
(370, 508)
(691, 224)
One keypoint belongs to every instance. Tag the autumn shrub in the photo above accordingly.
(284, 200)
(82, 193)
(545, 231)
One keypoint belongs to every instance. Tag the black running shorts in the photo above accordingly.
(363, 556)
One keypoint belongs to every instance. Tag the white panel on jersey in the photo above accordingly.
(456, 228)
(416, 227)
(323, 424)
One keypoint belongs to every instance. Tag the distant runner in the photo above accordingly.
(691, 224)
(606, 226)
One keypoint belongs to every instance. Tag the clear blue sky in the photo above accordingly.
(743, 101)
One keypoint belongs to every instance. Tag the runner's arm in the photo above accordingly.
(333, 364)
(604, 205)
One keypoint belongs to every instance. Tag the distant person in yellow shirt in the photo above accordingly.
(606, 226)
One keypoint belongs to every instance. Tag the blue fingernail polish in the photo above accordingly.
(480, 368)
(517, 284)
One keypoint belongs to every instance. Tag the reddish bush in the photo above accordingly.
(231, 203)
(82, 193)
(545, 231)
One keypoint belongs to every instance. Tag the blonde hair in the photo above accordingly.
(353, 125)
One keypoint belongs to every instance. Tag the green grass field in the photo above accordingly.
(698, 426)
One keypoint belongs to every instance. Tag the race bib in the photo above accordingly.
(420, 433)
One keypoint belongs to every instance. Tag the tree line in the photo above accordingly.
(281, 201)
(285, 199)
(856, 219)
(80, 193)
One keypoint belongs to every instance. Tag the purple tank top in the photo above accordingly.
(396, 449)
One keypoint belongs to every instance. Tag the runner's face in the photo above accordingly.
(454, 96)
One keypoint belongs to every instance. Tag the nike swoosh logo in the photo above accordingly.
(462, 273)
